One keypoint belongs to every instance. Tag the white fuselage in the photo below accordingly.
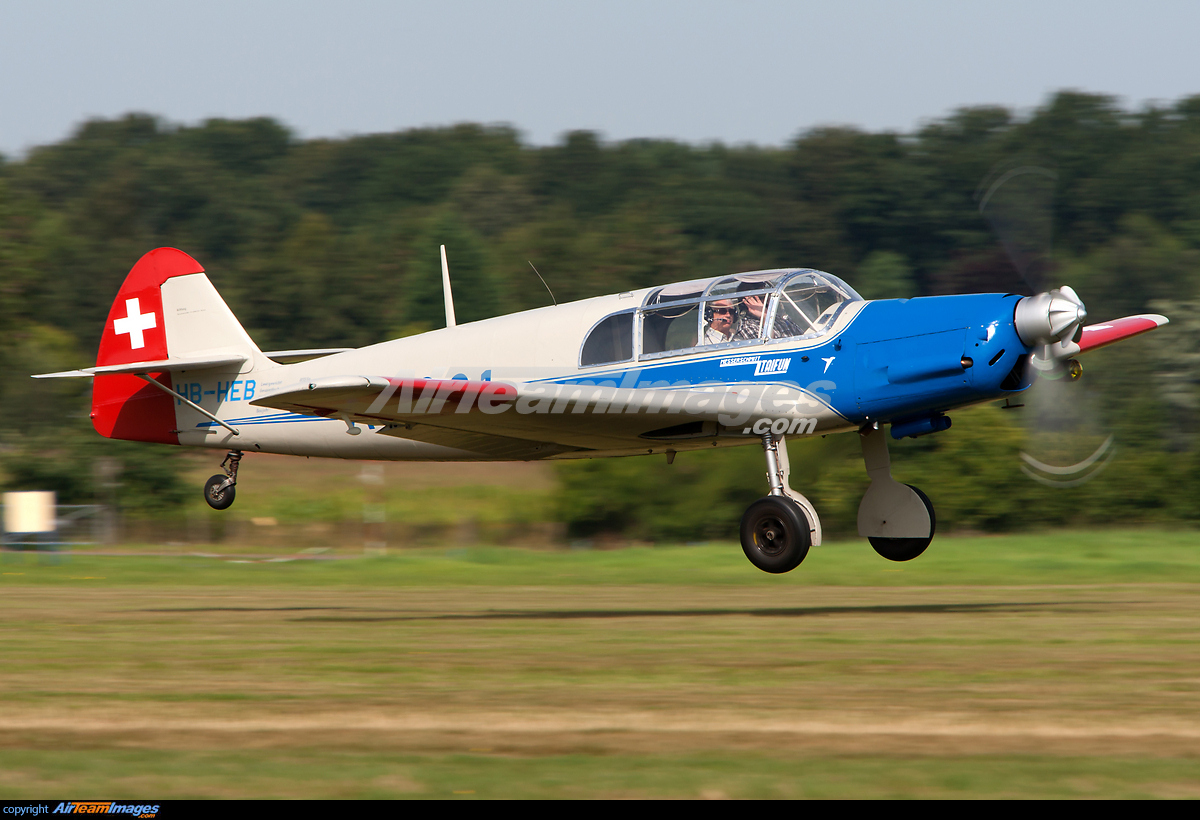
(532, 346)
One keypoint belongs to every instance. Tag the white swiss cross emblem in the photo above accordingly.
(134, 323)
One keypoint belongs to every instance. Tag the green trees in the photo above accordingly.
(334, 242)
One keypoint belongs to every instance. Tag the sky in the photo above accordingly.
(753, 71)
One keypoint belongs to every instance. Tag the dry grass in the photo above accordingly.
(721, 690)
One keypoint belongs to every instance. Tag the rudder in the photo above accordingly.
(166, 309)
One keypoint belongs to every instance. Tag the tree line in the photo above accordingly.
(333, 242)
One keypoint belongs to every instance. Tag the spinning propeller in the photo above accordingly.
(1017, 201)
(1018, 204)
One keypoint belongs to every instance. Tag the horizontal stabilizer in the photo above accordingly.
(64, 374)
(158, 366)
(294, 356)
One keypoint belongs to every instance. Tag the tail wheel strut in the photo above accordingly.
(219, 490)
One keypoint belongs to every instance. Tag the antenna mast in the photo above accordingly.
(539, 276)
(449, 297)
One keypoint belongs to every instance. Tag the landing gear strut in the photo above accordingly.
(219, 490)
(778, 530)
(896, 518)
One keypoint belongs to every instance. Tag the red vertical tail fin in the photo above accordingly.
(125, 406)
(166, 311)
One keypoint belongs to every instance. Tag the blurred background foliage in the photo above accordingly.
(334, 243)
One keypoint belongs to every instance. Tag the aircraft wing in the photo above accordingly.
(570, 416)
(416, 409)
(379, 398)
(501, 448)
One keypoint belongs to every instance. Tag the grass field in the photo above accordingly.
(1058, 665)
(324, 490)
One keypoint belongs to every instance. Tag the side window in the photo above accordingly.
(667, 329)
(609, 341)
(806, 307)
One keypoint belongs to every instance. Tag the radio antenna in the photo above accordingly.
(539, 276)
(446, 294)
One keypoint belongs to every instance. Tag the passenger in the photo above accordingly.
(722, 316)
(785, 327)
(751, 323)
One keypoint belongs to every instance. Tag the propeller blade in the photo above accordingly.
(1065, 443)
(1074, 468)
(1074, 475)
(1017, 201)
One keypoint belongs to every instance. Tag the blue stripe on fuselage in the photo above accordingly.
(850, 369)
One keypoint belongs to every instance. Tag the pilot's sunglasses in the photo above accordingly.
(724, 310)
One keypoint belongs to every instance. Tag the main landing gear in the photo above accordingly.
(219, 490)
(896, 518)
(778, 530)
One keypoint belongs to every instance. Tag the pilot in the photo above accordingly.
(722, 316)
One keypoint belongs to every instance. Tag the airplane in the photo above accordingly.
(746, 358)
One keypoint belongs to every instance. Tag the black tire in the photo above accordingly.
(775, 534)
(906, 549)
(217, 498)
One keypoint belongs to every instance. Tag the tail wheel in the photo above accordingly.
(906, 549)
(219, 497)
(776, 534)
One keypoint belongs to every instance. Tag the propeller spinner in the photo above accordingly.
(1052, 321)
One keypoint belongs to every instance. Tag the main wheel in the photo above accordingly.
(217, 497)
(775, 534)
(906, 549)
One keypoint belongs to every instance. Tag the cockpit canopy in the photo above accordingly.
(726, 311)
